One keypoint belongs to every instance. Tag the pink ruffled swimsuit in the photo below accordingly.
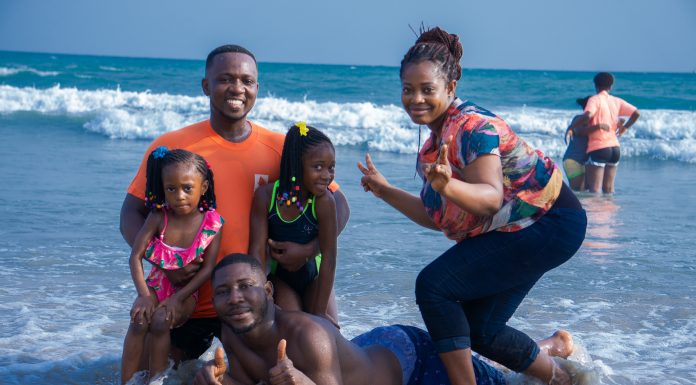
(165, 257)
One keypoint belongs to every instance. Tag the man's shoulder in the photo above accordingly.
(271, 139)
(184, 136)
(305, 328)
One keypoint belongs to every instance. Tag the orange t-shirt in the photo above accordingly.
(605, 108)
(238, 169)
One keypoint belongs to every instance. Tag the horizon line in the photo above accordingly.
(340, 64)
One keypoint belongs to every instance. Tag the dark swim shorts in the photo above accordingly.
(195, 336)
(420, 362)
(605, 157)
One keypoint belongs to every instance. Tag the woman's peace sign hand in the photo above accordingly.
(440, 172)
(372, 179)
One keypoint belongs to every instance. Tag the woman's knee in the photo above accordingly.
(480, 335)
(426, 287)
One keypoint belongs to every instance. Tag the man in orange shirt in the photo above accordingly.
(603, 145)
(243, 156)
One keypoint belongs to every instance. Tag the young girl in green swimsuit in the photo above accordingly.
(299, 207)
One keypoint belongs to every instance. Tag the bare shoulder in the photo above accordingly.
(326, 201)
(307, 332)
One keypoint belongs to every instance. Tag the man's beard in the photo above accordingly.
(248, 328)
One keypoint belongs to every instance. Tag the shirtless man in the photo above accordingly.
(256, 334)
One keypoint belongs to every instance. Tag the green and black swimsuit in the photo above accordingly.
(302, 229)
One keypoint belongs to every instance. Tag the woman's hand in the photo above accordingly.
(142, 309)
(439, 173)
(620, 127)
(372, 179)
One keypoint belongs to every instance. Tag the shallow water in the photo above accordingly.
(627, 296)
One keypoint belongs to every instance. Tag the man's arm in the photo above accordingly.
(215, 372)
(342, 210)
(258, 224)
(133, 214)
(316, 360)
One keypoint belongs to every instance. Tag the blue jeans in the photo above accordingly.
(467, 295)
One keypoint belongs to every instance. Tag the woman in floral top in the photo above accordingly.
(503, 202)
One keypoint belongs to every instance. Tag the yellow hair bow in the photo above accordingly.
(303, 128)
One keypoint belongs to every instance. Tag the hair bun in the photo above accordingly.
(440, 36)
(455, 47)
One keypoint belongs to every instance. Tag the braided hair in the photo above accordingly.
(160, 158)
(440, 47)
(295, 147)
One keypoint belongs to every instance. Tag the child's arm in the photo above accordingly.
(328, 233)
(143, 305)
(258, 223)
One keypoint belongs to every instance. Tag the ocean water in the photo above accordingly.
(75, 127)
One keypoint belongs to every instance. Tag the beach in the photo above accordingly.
(76, 127)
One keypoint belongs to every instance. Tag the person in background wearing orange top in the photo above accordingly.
(243, 156)
(603, 145)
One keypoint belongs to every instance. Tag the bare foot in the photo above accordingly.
(560, 344)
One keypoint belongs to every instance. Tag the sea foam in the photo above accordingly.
(10, 71)
(660, 134)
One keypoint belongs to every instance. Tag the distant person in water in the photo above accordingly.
(267, 345)
(603, 145)
(576, 156)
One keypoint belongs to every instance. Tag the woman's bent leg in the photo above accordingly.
(490, 334)
(494, 272)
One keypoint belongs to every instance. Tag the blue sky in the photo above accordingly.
(591, 35)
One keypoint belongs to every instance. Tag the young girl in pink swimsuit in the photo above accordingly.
(182, 228)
